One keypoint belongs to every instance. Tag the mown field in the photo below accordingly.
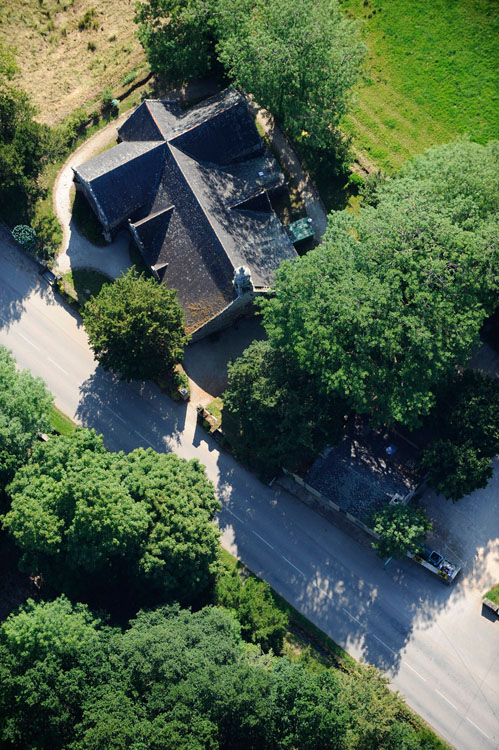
(431, 74)
(69, 51)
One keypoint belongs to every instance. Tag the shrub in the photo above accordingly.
(107, 97)
(129, 78)
(91, 46)
(355, 182)
(88, 20)
(402, 528)
(25, 235)
(455, 470)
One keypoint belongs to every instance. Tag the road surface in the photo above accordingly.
(431, 640)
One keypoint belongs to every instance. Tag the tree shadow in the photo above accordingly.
(373, 616)
(21, 277)
(109, 405)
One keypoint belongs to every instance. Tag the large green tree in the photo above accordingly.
(176, 37)
(176, 680)
(392, 301)
(51, 658)
(300, 59)
(114, 529)
(402, 528)
(135, 327)
(25, 405)
(465, 421)
(275, 414)
(25, 146)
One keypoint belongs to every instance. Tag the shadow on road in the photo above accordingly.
(111, 405)
(394, 602)
(20, 277)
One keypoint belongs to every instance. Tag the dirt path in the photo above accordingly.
(77, 251)
(291, 163)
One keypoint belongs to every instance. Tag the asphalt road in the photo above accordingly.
(431, 640)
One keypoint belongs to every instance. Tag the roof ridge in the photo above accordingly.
(152, 216)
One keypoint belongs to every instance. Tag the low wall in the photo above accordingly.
(328, 504)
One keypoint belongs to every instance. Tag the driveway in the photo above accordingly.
(430, 640)
(76, 250)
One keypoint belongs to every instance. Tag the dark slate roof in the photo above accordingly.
(124, 178)
(359, 476)
(195, 185)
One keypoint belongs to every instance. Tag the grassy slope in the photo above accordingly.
(58, 68)
(430, 75)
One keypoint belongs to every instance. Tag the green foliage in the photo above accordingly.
(136, 327)
(299, 59)
(107, 98)
(493, 594)
(25, 405)
(455, 470)
(114, 529)
(251, 600)
(274, 415)
(88, 20)
(25, 146)
(176, 37)
(466, 421)
(25, 235)
(402, 528)
(392, 301)
(176, 679)
(51, 658)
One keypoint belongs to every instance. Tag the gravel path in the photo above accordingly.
(77, 251)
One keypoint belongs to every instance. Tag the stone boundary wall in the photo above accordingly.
(328, 504)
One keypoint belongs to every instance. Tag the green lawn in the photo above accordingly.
(493, 594)
(60, 423)
(431, 75)
(86, 282)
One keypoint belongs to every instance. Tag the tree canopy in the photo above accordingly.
(402, 528)
(25, 405)
(392, 301)
(113, 529)
(176, 38)
(25, 146)
(135, 327)
(465, 421)
(274, 414)
(178, 680)
(299, 59)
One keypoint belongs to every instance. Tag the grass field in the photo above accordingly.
(69, 51)
(431, 74)
(493, 594)
(60, 423)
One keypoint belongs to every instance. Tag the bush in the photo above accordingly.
(107, 97)
(355, 182)
(88, 20)
(75, 125)
(129, 78)
(262, 622)
(402, 528)
(25, 235)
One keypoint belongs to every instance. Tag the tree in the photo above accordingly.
(402, 528)
(176, 37)
(392, 301)
(25, 406)
(299, 59)
(112, 529)
(253, 605)
(51, 657)
(25, 146)
(455, 470)
(274, 414)
(466, 422)
(135, 327)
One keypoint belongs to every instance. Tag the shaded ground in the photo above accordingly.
(205, 361)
